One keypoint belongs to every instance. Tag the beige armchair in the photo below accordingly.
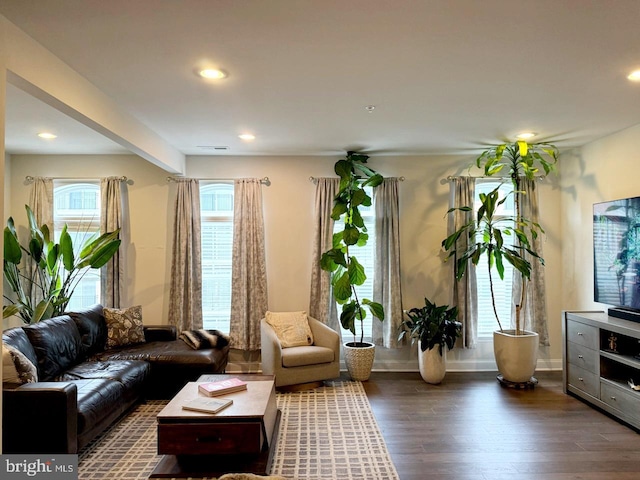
(301, 365)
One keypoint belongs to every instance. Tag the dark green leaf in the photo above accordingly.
(356, 272)
(66, 249)
(12, 251)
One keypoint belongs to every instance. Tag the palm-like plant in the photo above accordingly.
(44, 275)
(486, 239)
(521, 160)
(346, 272)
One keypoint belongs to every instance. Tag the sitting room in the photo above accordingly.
(357, 212)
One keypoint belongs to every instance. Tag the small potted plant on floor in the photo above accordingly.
(434, 327)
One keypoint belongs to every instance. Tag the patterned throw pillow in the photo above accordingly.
(124, 326)
(292, 328)
(16, 367)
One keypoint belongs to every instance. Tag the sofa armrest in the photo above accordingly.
(324, 336)
(160, 333)
(40, 417)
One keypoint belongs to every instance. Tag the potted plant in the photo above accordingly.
(515, 350)
(346, 272)
(43, 287)
(434, 327)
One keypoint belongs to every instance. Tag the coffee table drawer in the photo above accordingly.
(209, 438)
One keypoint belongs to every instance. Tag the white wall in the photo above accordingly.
(606, 169)
(288, 209)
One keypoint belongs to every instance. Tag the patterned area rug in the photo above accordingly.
(326, 433)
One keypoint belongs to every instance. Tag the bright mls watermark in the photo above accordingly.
(49, 467)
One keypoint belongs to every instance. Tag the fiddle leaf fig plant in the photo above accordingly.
(346, 272)
(44, 274)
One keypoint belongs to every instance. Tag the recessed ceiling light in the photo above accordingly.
(634, 76)
(370, 108)
(247, 137)
(47, 135)
(526, 135)
(212, 73)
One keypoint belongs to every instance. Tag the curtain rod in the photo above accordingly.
(453, 177)
(30, 179)
(315, 179)
(263, 180)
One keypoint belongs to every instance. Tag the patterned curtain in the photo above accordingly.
(249, 277)
(386, 279)
(112, 274)
(41, 203)
(534, 311)
(465, 291)
(321, 304)
(185, 302)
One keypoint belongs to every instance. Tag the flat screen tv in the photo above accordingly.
(616, 256)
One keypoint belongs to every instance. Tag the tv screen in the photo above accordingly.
(616, 253)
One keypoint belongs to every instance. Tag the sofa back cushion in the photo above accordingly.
(57, 344)
(92, 327)
(17, 338)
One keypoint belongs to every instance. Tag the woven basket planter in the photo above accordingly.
(359, 360)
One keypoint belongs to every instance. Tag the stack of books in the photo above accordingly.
(222, 387)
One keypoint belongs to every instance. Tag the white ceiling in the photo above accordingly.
(445, 76)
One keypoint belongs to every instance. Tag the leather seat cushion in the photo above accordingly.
(173, 352)
(57, 344)
(98, 400)
(301, 356)
(131, 374)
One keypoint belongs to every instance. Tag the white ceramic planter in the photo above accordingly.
(516, 355)
(359, 360)
(433, 366)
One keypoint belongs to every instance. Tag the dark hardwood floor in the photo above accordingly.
(471, 428)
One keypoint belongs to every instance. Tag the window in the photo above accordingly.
(486, 319)
(216, 210)
(78, 206)
(366, 257)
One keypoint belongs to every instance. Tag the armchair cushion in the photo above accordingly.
(311, 355)
(291, 328)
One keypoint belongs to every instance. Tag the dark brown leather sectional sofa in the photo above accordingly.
(83, 388)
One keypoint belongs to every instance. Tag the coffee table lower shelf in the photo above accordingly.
(184, 466)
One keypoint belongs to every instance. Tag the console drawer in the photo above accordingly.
(210, 438)
(620, 399)
(584, 380)
(583, 357)
(582, 334)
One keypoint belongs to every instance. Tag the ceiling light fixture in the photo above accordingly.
(526, 135)
(634, 76)
(212, 73)
(370, 108)
(247, 137)
(47, 135)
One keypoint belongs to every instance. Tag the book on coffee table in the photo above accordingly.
(207, 405)
(222, 387)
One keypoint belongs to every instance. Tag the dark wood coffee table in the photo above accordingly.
(241, 438)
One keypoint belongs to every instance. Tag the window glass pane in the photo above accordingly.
(77, 205)
(216, 204)
(502, 288)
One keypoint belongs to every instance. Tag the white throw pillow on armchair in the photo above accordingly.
(292, 328)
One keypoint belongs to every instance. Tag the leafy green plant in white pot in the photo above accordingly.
(516, 349)
(434, 327)
(346, 272)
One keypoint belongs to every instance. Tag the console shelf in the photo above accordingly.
(601, 355)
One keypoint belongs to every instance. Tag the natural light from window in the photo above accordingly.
(77, 205)
(216, 207)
